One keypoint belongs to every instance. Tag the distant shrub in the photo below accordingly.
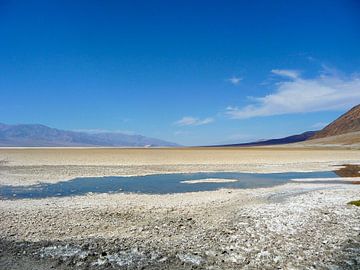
(356, 203)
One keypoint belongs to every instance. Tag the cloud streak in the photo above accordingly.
(319, 125)
(293, 74)
(323, 93)
(99, 131)
(193, 121)
(235, 80)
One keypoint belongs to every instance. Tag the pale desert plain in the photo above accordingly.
(296, 225)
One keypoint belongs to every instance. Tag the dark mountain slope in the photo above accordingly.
(346, 123)
(290, 139)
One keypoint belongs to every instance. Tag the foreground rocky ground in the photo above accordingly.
(294, 226)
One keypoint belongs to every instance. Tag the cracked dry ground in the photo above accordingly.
(247, 230)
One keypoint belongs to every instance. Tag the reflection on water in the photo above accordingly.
(154, 184)
(349, 171)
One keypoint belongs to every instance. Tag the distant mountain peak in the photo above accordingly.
(23, 135)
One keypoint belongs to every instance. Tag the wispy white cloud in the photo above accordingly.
(98, 130)
(293, 74)
(234, 80)
(237, 138)
(319, 125)
(329, 91)
(193, 121)
(181, 133)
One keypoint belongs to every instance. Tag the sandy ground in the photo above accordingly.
(348, 140)
(292, 226)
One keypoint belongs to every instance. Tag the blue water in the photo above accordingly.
(153, 184)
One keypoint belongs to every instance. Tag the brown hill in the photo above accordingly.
(348, 140)
(348, 122)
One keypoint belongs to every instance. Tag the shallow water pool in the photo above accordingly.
(156, 184)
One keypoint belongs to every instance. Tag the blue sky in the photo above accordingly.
(193, 72)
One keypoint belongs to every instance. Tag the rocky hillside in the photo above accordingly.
(348, 122)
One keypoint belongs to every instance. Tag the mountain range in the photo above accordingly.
(44, 136)
(290, 139)
(344, 130)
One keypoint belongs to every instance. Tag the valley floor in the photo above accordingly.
(292, 226)
(25, 166)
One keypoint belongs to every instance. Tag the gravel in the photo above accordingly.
(309, 227)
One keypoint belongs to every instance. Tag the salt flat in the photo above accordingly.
(291, 226)
(34, 165)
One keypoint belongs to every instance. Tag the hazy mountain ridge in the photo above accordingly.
(289, 139)
(41, 135)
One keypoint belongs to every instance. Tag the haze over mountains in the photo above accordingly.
(40, 135)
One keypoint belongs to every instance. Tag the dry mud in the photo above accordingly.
(293, 226)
